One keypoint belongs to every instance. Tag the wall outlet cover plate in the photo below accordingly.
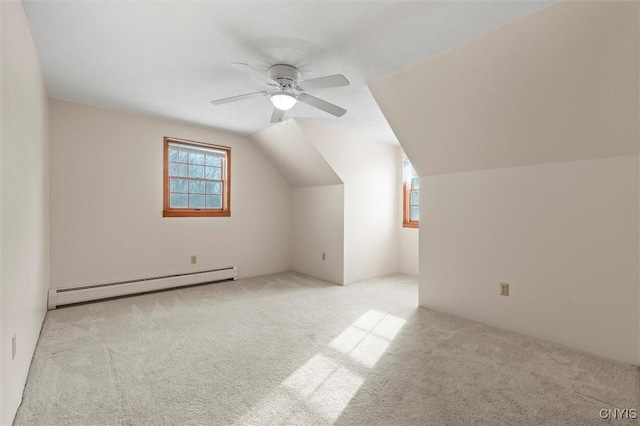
(504, 289)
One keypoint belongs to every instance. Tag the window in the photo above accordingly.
(411, 198)
(196, 179)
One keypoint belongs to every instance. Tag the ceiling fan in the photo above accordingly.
(288, 90)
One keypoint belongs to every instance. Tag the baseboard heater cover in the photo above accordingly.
(70, 295)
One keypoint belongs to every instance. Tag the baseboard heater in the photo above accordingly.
(70, 295)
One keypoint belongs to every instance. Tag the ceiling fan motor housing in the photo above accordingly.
(284, 74)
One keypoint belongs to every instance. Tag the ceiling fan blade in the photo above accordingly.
(262, 76)
(336, 80)
(323, 105)
(238, 98)
(277, 115)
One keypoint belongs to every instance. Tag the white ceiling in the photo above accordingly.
(169, 59)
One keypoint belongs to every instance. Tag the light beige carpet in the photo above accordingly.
(289, 349)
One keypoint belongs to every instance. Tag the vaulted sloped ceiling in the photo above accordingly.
(559, 85)
(291, 152)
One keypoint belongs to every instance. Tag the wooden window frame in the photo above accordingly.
(407, 188)
(224, 211)
(407, 222)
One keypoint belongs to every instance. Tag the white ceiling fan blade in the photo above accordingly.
(277, 115)
(336, 80)
(238, 98)
(323, 105)
(262, 76)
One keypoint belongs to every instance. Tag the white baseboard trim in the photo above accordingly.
(70, 295)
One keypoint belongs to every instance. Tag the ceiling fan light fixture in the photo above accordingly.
(283, 101)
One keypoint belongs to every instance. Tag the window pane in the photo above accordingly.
(173, 154)
(415, 198)
(196, 186)
(195, 158)
(179, 200)
(183, 156)
(415, 213)
(415, 183)
(179, 185)
(214, 201)
(214, 188)
(213, 173)
(196, 171)
(196, 201)
(177, 170)
(214, 160)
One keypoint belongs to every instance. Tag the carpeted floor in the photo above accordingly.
(289, 349)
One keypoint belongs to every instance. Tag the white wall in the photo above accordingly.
(24, 203)
(551, 99)
(106, 212)
(317, 214)
(357, 220)
(408, 241)
(318, 227)
(563, 235)
(408, 250)
(369, 172)
(2, 335)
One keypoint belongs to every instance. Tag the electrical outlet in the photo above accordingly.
(324, 256)
(194, 259)
(504, 289)
(13, 347)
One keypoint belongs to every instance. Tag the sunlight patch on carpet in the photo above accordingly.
(311, 375)
(368, 338)
(323, 386)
